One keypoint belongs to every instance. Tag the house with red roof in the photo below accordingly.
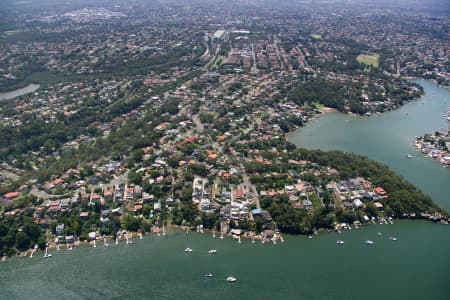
(11, 195)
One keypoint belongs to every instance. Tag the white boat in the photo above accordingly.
(340, 242)
(212, 251)
(379, 233)
(309, 236)
(47, 255)
(392, 238)
(188, 250)
(231, 279)
(369, 242)
(209, 275)
(409, 156)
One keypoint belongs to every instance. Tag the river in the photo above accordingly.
(388, 138)
(416, 266)
(19, 92)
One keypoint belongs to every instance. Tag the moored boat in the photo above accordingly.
(231, 279)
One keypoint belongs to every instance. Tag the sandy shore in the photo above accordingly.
(328, 110)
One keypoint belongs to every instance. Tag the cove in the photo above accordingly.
(389, 138)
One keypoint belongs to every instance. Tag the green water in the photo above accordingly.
(416, 266)
(413, 267)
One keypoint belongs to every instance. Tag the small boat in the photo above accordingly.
(47, 255)
(231, 279)
(212, 251)
(309, 236)
(209, 275)
(188, 250)
(409, 156)
(392, 238)
(369, 242)
(379, 233)
(340, 242)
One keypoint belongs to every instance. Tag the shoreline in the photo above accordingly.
(245, 235)
(435, 154)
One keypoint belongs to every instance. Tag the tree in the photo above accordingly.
(22, 241)
(131, 223)
(135, 178)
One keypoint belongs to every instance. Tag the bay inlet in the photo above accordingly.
(389, 138)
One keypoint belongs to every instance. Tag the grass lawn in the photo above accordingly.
(217, 62)
(315, 201)
(318, 105)
(369, 60)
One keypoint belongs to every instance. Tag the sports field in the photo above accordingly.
(369, 60)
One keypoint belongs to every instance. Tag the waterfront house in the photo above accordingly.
(69, 239)
(92, 235)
